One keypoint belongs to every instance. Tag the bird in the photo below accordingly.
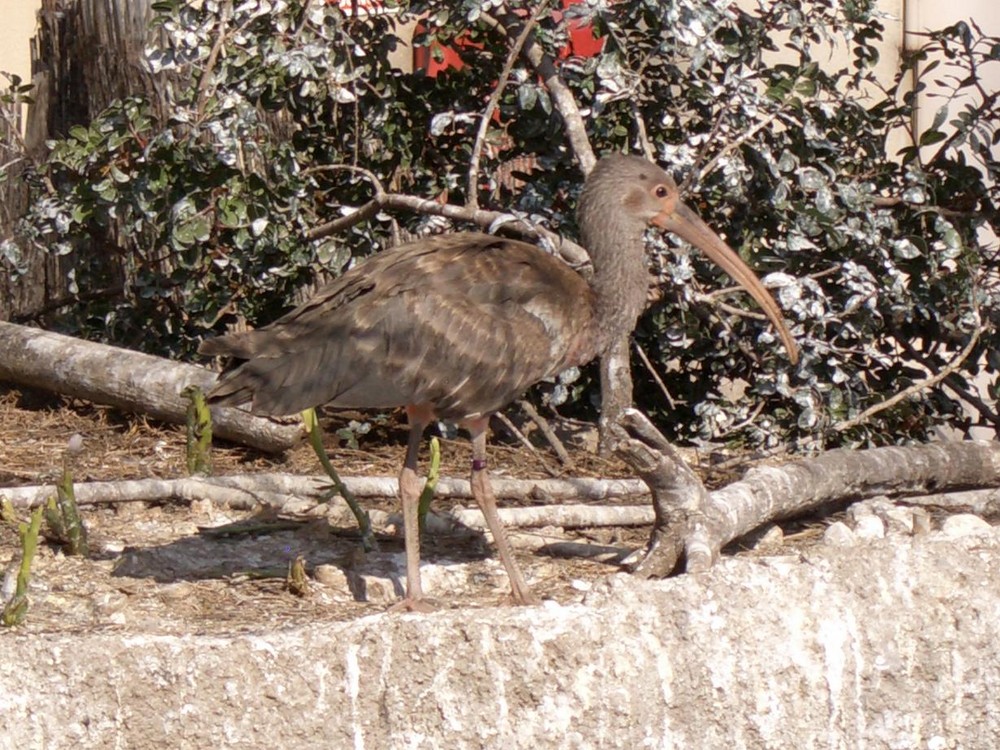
(454, 327)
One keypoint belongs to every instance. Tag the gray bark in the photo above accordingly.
(128, 380)
(250, 486)
(697, 524)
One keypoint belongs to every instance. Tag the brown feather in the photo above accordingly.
(464, 322)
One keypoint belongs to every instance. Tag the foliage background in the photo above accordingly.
(181, 216)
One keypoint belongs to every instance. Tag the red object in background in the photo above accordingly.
(582, 43)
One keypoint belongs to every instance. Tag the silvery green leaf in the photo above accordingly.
(778, 279)
(677, 336)
(569, 375)
(905, 249)
(789, 295)
(787, 161)
(811, 178)
(915, 194)
(824, 200)
(952, 239)
(798, 242)
(343, 95)
(527, 95)
(808, 419)
(559, 395)
(257, 226)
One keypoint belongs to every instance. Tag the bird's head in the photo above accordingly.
(625, 194)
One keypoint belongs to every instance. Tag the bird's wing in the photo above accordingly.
(464, 322)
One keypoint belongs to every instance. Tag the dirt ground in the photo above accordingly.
(165, 567)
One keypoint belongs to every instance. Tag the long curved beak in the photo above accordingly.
(686, 224)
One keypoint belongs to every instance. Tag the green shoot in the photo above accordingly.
(297, 581)
(316, 440)
(199, 432)
(16, 607)
(433, 474)
(62, 515)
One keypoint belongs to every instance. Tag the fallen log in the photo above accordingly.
(247, 491)
(128, 380)
(694, 525)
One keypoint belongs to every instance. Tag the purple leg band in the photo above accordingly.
(478, 464)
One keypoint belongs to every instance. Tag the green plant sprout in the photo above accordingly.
(16, 607)
(198, 450)
(62, 514)
(316, 441)
(433, 474)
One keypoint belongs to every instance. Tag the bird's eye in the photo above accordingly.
(661, 191)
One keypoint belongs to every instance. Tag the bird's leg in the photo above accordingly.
(409, 495)
(483, 493)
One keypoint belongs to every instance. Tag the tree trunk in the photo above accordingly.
(134, 382)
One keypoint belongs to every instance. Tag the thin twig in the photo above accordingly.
(703, 151)
(655, 374)
(547, 431)
(917, 387)
(562, 97)
(640, 129)
(732, 146)
(518, 435)
(472, 192)
(710, 300)
(366, 173)
(955, 383)
(891, 201)
(213, 56)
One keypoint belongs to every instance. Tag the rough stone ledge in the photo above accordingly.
(889, 645)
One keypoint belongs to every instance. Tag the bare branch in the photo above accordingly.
(571, 252)
(640, 131)
(733, 145)
(472, 192)
(205, 80)
(921, 385)
(562, 97)
(250, 490)
(698, 525)
(547, 431)
(655, 375)
(358, 215)
(518, 435)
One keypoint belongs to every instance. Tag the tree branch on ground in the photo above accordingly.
(131, 381)
(277, 490)
(693, 526)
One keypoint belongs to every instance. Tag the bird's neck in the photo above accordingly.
(620, 281)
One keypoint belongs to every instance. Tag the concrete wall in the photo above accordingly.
(17, 28)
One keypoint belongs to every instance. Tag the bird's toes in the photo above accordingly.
(410, 604)
(523, 599)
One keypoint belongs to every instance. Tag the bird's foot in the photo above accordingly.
(524, 598)
(411, 604)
